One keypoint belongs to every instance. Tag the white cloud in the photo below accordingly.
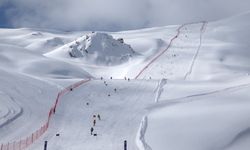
(183, 11)
(117, 14)
(80, 14)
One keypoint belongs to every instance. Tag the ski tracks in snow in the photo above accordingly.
(158, 55)
(185, 98)
(202, 31)
(160, 89)
(10, 109)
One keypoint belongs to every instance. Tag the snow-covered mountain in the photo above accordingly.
(174, 87)
(96, 48)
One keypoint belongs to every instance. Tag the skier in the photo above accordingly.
(99, 117)
(94, 122)
(91, 130)
(115, 89)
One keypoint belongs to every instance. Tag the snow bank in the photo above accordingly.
(215, 121)
(160, 89)
(140, 141)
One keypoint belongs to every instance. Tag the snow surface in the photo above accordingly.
(191, 91)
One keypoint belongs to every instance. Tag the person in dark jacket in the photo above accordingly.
(91, 130)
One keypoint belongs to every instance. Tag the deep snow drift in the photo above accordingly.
(192, 90)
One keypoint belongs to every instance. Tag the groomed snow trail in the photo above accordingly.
(120, 115)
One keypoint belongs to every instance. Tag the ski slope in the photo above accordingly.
(120, 115)
(186, 88)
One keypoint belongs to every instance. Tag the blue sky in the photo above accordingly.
(3, 18)
(113, 15)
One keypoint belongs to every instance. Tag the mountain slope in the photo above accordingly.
(96, 48)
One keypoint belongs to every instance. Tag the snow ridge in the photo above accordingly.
(160, 89)
(140, 141)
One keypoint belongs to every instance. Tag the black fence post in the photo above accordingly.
(45, 145)
(125, 145)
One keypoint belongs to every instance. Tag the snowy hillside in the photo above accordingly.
(21, 60)
(96, 48)
(181, 87)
